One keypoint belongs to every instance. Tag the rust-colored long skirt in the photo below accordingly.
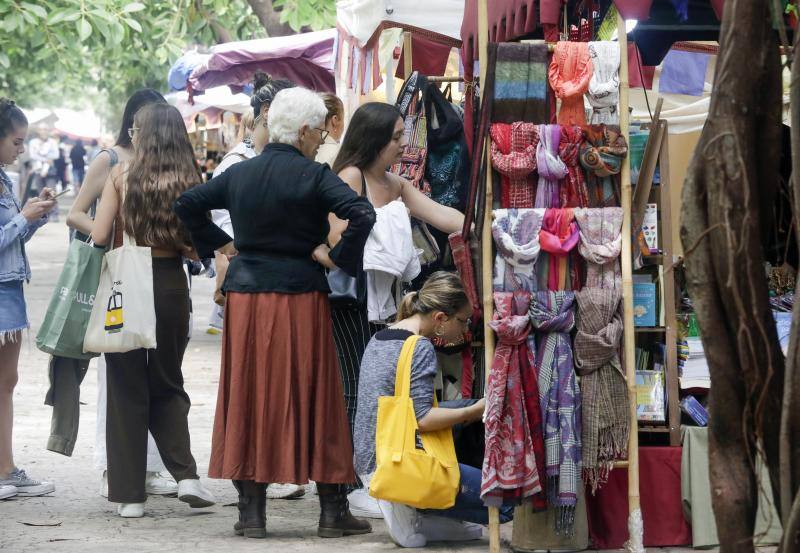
(280, 409)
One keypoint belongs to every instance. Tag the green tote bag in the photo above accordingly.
(64, 325)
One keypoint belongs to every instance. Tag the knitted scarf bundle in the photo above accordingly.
(514, 157)
(601, 244)
(520, 83)
(558, 237)
(602, 154)
(516, 235)
(604, 85)
(551, 168)
(510, 470)
(606, 420)
(553, 317)
(573, 190)
(570, 73)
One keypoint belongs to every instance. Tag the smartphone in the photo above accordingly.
(69, 189)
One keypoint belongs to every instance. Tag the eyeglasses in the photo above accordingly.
(132, 131)
(323, 133)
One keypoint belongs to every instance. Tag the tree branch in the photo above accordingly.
(270, 18)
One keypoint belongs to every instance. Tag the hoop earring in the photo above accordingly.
(439, 331)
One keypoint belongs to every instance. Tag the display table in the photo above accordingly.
(696, 495)
(660, 490)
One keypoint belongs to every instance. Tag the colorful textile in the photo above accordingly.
(516, 234)
(600, 246)
(573, 190)
(569, 74)
(551, 168)
(520, 89)
(604, 392)
(603, 90)
(602, 154)
(514, 157)
(552, 315)
(509, 465)
(558, 237)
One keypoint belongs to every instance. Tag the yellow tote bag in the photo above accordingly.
(423, 478)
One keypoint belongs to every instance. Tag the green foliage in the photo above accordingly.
(316, 14)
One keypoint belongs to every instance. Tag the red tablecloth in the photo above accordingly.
(660, 488)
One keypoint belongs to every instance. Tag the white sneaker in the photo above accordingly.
(8, 491)
(436, 528)
(191, 491)
(27, 486)
(364, 505)
(130, 510)
(285, 491)
(156, 483)
(402, 522)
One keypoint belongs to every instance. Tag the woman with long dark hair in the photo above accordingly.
(80, 219)
(145, 387)
(374, 142)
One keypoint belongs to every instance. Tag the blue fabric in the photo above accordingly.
(14, 232)
(12, 308)
(469, 507)
(683, 73)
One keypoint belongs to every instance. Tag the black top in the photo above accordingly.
(76, 156)
(279, 203)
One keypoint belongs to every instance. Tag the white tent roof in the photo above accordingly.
(360, 18)
(219, 97)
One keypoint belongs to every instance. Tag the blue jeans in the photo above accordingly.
(469, 506)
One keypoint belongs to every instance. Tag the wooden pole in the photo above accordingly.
(635, 527)
(408, 53)
(486, 248)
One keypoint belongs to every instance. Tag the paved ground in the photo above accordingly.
(77, 520)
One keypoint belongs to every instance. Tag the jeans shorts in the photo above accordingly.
(13, 316)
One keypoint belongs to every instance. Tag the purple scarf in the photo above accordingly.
(551, 168)
(553, 316)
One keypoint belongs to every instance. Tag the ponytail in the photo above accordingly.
(442, 291)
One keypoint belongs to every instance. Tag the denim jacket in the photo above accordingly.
(15, 230)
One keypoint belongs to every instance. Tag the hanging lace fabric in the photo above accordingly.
(569, 73)
(551, 168)
(602, 153)
(603, 92)
(604, 392)
(558, 238)
(510, 470)
(516, 236)
(601, 245)
(573, 190)
(553, 317)
(514, 157)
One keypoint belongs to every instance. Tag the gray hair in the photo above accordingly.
(290, 110)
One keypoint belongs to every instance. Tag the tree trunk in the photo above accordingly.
(727, 199)
(270, 18)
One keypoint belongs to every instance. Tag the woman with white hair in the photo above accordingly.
(280, 409)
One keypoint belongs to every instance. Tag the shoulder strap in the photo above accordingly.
(364, 189)
(402, 381)
(112, 155)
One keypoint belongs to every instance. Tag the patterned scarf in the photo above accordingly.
(510, 462)
(514, 157)
(558, 237)
(553, 317)
(604, 86)
(601, 244)
(570, 73)
(573, 191)
(516, 234)
(520, 83)
(602, 154)
(606, 421)
(551, 168)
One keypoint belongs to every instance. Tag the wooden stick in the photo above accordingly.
(445, 79)
(627, 277)
(408, 53)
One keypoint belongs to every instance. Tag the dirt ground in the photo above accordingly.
(76, 519)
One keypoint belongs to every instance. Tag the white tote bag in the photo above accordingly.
(124, 315)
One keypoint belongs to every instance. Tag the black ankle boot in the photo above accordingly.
(335, 519)
(252, 509)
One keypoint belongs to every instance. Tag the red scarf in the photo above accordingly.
(514, 157)
(573, 188)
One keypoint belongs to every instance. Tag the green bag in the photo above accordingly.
(67, 317)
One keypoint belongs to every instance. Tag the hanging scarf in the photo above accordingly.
(573, 190)
(570, 73)
(551, 168)
(520, 83)
(516, 234)
(514, 157)
(509, 465)
(558, 237)
(601, 244)
(605, 416)
(602, 155)
(553, 317)
(604, 85)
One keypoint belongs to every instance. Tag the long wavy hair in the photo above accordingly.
(370, 130)
(163, 167)
(137, 101)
